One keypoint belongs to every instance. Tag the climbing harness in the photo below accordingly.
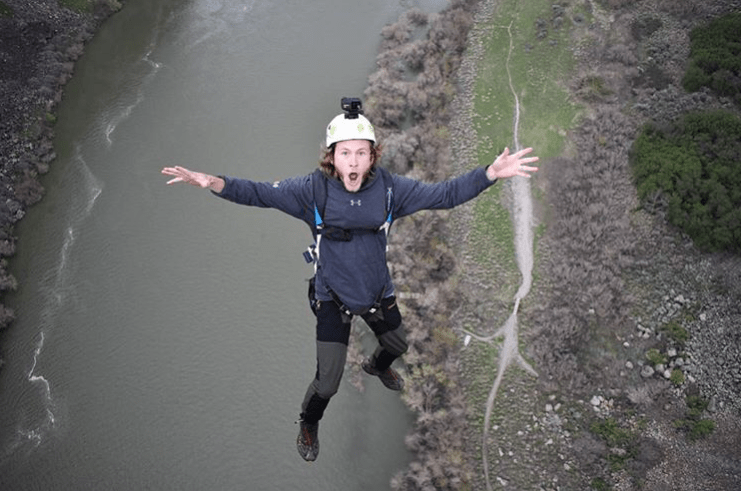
(321, 230)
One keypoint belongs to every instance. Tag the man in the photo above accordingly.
(359, 200)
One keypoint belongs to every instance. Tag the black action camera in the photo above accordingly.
(352, 107)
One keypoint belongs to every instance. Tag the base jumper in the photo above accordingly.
(357, 201)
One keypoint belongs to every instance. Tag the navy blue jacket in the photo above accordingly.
(355, 270)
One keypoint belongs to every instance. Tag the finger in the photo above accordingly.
(172, 171)
(176, 180)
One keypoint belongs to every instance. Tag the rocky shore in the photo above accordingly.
(39, 43)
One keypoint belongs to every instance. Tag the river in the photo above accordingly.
(163, 339)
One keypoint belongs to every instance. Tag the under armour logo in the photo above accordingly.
(353, 202)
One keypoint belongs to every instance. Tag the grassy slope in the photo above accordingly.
(540, 69)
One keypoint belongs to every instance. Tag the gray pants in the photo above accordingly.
(332, 337)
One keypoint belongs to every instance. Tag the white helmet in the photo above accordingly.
(350, 125)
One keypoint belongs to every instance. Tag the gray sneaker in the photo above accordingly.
(390, 377)
(308, 441)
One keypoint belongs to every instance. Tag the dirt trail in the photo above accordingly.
(522, 215)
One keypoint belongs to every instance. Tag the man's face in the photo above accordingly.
(352, 161)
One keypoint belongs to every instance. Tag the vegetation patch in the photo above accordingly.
(655, 357)
(715, 58)
(689, 171)
(675, 332)
(492, 237)
(77, 5)
(5, 11)
(88, 6)
(676, 377)
(620, 441)
(694, 425)
(523, 48)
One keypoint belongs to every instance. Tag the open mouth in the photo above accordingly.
(352, 181)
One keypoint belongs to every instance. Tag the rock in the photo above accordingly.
(647, 371)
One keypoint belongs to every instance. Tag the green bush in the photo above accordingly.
(77, 5)
(694, 426)
(616, 438)
(693, 168)
(677, 333)
(5, 11)
(599, 484)
(655, 357)
(677, 377)
(715, 58)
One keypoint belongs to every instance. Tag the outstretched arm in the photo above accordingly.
(507, 165)
(181, 174)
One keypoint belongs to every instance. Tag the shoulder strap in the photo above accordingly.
(319, 195)
(388, 184)
(319, 185)
(319, 190)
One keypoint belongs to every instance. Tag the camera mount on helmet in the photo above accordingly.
(352, 107)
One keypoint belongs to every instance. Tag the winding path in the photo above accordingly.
(522, 217)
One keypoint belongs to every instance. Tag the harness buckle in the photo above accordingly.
(310, 255)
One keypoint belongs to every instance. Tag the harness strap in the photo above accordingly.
(375, 310)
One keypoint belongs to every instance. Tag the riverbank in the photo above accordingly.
(628, 326)
(39, 44)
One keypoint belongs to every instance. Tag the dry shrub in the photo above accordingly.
(590, 231)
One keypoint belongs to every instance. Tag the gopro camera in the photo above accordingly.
(352, 107)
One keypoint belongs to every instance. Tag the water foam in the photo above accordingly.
(57, 287)
(121, 114)
(48, 422)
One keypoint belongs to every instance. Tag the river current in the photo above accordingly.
(163, 339)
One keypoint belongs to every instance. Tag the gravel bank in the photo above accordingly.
(39, 43)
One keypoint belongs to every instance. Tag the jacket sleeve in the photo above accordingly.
(292, 196)
(411, 196)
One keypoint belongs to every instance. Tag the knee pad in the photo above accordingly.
(395, 342)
